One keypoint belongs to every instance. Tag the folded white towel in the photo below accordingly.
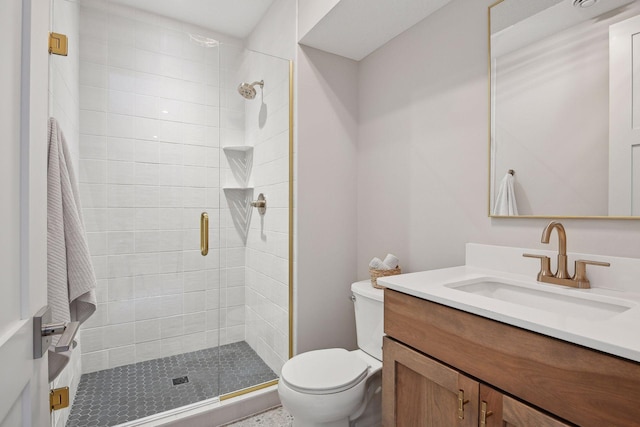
(391, 261)
(506, 199)
(377, 264)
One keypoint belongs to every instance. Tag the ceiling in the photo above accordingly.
(351, 28)
(235, 18)
(355, 28)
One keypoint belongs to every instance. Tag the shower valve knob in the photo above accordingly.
(261, 204)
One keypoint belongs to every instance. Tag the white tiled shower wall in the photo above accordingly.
(267, 248)
(149, 165)
(233, 204)
(64, 101)
(263, 168)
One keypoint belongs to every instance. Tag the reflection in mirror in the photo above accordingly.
(564, 108)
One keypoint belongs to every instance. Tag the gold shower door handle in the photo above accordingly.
(204, 233)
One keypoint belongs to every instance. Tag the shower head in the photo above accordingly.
(248, 91)
(584, 3)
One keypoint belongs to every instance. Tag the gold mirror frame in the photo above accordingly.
(490, 215)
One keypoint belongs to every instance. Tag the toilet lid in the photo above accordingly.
(324, 371)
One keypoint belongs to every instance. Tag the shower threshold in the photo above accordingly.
(125, 393)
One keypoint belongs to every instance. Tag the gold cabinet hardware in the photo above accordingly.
(204, 234)
(484, 414)
(461, 403)
(59, 398)
(58, 44)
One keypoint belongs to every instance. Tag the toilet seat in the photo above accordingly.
(324, 371)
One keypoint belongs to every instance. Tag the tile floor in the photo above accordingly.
(117, 395)
(276, 417)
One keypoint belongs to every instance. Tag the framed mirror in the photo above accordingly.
(565, 108)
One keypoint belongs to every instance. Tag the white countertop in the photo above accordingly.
(618, 334)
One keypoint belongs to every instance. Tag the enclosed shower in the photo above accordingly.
(184, 175)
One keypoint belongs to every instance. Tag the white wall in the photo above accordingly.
(423, 158)
(64, 91)
(233, 204)
(326, 199)
(275, 34)
(64, 98)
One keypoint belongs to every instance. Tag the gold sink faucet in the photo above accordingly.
(562, 272)
(561, 276)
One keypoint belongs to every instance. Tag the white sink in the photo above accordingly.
(561, 300)
(498, 284)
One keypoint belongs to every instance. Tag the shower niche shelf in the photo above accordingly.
(240, 161)
(238, 148)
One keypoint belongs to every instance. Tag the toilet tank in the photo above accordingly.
(368, 303)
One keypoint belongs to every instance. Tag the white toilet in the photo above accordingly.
(335, 387)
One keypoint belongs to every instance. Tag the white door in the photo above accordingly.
(23, 226)
(624, 118)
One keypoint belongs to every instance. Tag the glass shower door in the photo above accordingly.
(147, 150)
(255, 253)
(162, 135)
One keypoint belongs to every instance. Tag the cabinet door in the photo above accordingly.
(417, 391)
(498, 410)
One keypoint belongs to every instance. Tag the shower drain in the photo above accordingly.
(180, 380)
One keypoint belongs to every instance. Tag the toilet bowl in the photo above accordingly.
(335, 387)
(329, 387)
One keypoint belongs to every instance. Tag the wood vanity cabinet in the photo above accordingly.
(418, 391)
(500, 410)
(443, 367)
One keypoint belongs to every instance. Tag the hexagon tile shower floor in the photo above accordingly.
(117, 395)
